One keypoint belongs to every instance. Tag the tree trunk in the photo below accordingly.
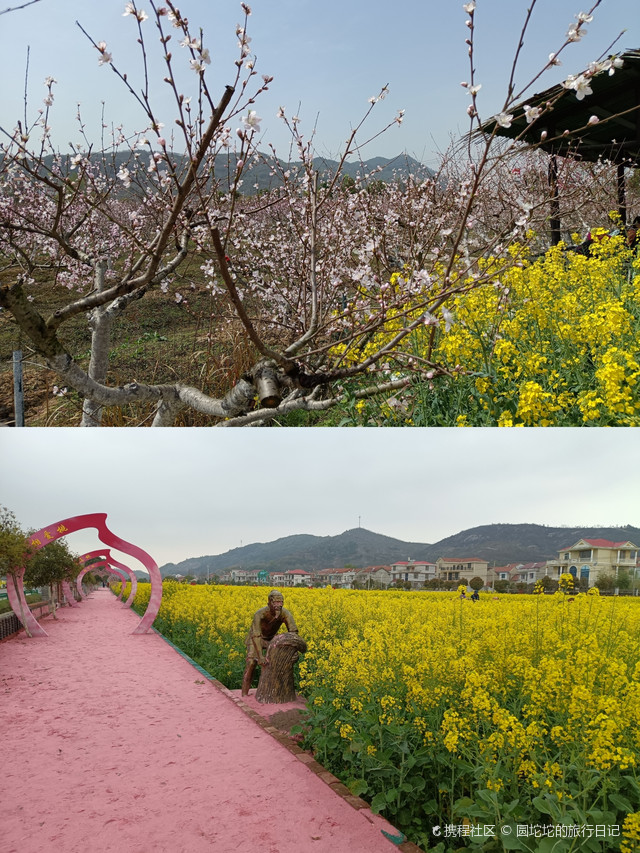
(276, 678)
(100, 323)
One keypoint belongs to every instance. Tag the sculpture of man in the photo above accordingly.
(266, 624)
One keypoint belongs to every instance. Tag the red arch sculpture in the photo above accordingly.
(68, 594)
(62, 528)
(105, 553)
(101, 568)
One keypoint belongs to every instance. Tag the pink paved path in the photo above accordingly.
(112, 741)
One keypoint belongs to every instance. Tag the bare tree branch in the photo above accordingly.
(16, 8)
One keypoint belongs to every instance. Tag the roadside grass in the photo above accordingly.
(32, 598)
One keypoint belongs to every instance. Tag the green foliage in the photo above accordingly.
(624, 579)
(220, 657)
(51, 564)
(348, 184)
(14, 548)
(549, 584)
(606, 583)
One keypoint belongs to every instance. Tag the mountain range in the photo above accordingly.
(263, 172)
(499, 544)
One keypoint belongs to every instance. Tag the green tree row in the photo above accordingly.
(49, 566)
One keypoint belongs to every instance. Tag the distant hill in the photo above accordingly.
(497, 543)
(264, 174)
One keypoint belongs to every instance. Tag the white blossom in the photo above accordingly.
(130, 9)
(447, 316)
(105, 57)
(580, 83)
(125, 176)
(532, 113)
(574, 33)
(504, 119)
(251, 121)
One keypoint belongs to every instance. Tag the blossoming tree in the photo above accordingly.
(327, 283)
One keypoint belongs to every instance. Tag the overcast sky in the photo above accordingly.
(327, 59)
(180, 493)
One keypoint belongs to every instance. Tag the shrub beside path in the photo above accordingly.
(114, 742)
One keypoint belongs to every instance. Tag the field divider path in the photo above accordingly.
(112, 741)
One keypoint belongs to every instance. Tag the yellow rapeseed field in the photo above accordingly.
(514, 710)
(547, 341)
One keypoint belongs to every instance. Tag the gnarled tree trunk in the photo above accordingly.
(276, 679)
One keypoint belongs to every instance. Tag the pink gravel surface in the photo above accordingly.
(114, 742)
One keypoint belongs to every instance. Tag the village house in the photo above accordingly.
(415, 572)
(587, 558)
(380, 575)
(239, 576)
(298, 577)
(339, 578)
(500, 573)
(590, 558)
(457, 569)
(527, 573)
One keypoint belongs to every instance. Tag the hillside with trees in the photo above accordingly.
(499, 544)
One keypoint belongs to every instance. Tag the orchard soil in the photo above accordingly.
(156, 340)
(115, 742)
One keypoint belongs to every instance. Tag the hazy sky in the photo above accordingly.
(327, 59)
(181, 493)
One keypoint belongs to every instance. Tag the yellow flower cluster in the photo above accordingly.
(556, 339)
(546, 342)
(631, 834)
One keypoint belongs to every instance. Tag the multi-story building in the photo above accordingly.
(292, 577)
(415, 572)
(239, 576)
(457, 569)
(590, 558)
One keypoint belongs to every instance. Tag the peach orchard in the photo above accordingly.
(305, 275)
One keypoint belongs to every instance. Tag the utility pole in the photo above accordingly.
(18, 395)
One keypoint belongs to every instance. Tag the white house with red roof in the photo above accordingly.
(293, 577)
(590, 558)
(502, 573)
